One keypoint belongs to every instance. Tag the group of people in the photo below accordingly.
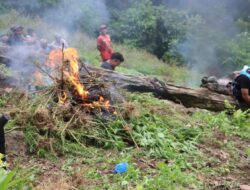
(17, 36)
(110, 59)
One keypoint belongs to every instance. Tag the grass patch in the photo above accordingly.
(159, 132)
(136, 61)
(146, 63)
(180, 150)
(237, 124)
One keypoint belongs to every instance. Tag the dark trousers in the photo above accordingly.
(242, 105)
(3, 121)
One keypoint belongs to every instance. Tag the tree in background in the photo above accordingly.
(192, 32)
(154, 28)
(236, 52)
(29, 7)
(118, 4)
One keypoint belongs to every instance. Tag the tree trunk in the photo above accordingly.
(200, 97)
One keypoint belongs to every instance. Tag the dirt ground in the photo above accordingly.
(225, 168)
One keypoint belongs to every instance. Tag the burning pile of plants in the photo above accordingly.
(71, 110)
(86, 91)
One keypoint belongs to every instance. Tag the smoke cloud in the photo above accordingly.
(66, 14)
(72, 15)
(215, 25)
(65, 17)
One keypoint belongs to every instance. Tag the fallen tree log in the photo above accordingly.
(219, 85)
(201, 97)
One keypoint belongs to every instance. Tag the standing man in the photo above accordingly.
(17, 36)
(57, 43)
(104, 44)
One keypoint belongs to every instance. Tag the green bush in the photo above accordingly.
(237, 124)
(8, 179)
(237, 51)
(150, 27)
(26, 7)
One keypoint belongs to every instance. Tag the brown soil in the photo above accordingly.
(236, 163)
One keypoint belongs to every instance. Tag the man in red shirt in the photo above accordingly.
(104, 44)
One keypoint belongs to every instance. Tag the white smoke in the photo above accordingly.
(203, 39)
(72, 15)
(65, 18)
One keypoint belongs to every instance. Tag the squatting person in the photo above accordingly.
(115, 60)
(241, 88)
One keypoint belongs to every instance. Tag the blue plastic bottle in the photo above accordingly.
(121, 167)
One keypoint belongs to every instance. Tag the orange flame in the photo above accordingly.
(38, 78)
(104, 102)
(98, 104)
(63, 98)
(71, 57)
(54, 59)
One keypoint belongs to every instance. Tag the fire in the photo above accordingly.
(98, 104)
(38, 78)
(69, 58)
(63, 98)
(72, 56)
(79, 87)
(104, 102)
(55, 58)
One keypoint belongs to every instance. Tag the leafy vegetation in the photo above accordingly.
(167, 142)
(236, 51)
(153, 27)
(166, 145)
(9, 179)
(160, 27)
